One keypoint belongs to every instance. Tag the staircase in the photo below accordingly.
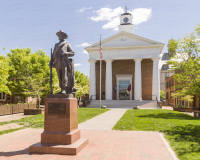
(144, 104)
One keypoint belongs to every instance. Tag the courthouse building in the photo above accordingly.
(129, 61)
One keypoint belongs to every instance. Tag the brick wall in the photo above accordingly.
(147, 72)
(122, 67)
(169, 84)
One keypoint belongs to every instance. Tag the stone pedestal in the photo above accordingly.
(61, 134)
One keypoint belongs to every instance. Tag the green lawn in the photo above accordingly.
(181, 130)
(37, 121)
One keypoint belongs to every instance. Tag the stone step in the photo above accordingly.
(124, 104)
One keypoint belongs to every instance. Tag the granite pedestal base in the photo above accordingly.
(61, 134)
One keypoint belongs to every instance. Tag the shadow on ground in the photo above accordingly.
(164, 115)
(186, 138)
(14, 153)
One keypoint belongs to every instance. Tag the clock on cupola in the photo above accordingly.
(126, 22)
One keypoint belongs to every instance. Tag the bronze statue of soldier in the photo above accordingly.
(64, 65)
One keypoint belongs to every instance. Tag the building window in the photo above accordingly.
(166, 84)
(171, 94)
(166, 74)
(19, 99)
(166, 95)
(2, 96)
(165, 67)
(8, 97)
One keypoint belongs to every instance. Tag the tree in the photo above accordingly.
(4, 69)
(29, 73)
(81, 83)
(182, 96)
(162, 94)
(185, 61)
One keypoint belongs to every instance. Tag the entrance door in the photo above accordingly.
(124, 94)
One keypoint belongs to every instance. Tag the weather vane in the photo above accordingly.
(126, 9)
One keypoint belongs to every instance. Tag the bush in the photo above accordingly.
(180, 106)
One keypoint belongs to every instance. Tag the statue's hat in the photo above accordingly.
(62, 33)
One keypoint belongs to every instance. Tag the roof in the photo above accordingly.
(125, 14)
(95, 46)
(165, 57)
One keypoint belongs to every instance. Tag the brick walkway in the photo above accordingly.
(103, 145)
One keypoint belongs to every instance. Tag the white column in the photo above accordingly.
(92, 89)
(156, 79)
(108, 79)
(138, 80)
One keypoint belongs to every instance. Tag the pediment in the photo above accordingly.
(124, 39)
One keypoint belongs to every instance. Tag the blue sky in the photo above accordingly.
(34, 23)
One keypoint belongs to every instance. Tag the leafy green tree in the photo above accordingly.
(81, 83)
(182, 96)
(185, 61)
(4, 69)
(187, 47)
(29, 73)
(162, 94)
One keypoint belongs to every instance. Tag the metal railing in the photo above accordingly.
(158, 105)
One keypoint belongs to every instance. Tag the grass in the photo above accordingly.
(84, 114)
(37, 121)
(181, 130)
(10, 130)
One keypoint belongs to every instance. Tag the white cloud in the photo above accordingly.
(84, 8)
(78, 64)
(141, 15)
(83, 45)
(112, 16)
(107, 14)
(112, 24)
(85, 52)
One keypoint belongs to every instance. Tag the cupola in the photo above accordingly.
(126, 22)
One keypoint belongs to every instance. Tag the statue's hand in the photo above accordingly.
(52, 64)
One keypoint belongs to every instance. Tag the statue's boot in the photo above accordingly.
(63, 91)
(74, 89)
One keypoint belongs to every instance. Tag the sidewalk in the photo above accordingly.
(105, 121)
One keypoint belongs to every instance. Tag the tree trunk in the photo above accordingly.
(38, 101)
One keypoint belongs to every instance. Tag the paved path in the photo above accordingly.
(13, 117)
(103, 145)
(105, 121)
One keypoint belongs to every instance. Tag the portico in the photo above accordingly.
(137, 85)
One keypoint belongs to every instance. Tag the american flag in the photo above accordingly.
(100, 49)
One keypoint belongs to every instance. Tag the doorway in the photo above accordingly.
(124, 94)
(123, 82)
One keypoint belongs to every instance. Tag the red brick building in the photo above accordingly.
(169, 83)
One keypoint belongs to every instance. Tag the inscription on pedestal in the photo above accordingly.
(57, 109)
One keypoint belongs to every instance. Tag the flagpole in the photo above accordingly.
(100, 78)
